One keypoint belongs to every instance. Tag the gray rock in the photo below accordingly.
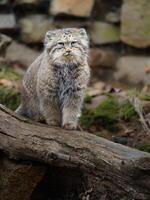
(103, 7)
(3, 2)
(2, 62)
(7, 22)
(131, 69)
(34, 27)
(19, 53)
(102, 57)
(104, 33)
(70, 23)
(96, 101)
(73, 7)
(4, 43)
(135, 23)
(113, 17)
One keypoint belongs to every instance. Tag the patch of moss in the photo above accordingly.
(127, 111)
(9, 74)
(144, 147)
(88, 99)
(108, 109)
(108, 113)
(87, 118)
(113, 33)
(10, 98)
(105, 115)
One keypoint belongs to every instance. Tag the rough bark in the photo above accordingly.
(18, 180)
(113, 171)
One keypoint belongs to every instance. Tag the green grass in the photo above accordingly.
(127, 111)
(145, 97)
(108, 113)
(105, 114)
(9, 74)
(87, 118)
(10, 98)
(108, 109)
(88, 99)
(144, 147)
(140, 95)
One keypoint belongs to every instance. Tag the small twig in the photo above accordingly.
(86, 194)
(138, 108)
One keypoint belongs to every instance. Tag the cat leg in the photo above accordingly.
(50, 111)
(72, 111)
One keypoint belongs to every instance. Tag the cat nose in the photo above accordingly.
(67, 52)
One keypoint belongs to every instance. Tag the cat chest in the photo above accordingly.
(66, 83)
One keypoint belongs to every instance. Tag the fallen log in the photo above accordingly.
(112, 171)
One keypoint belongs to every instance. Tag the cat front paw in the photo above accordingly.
(53, 123)
(69, 126)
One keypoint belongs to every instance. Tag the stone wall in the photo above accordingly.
(119, 32)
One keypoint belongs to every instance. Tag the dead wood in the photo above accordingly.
(113, 171)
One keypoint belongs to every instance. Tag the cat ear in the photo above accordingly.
(82, 32)
(84, 38)
(48, 37)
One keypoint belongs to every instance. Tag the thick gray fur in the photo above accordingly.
(54, 85)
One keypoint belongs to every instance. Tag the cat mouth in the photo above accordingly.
(67, 54)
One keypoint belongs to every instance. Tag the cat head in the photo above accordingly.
(67, 46)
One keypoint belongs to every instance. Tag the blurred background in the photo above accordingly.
(117, 104)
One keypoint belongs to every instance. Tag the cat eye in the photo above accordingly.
(61, 44)
(73, 43)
